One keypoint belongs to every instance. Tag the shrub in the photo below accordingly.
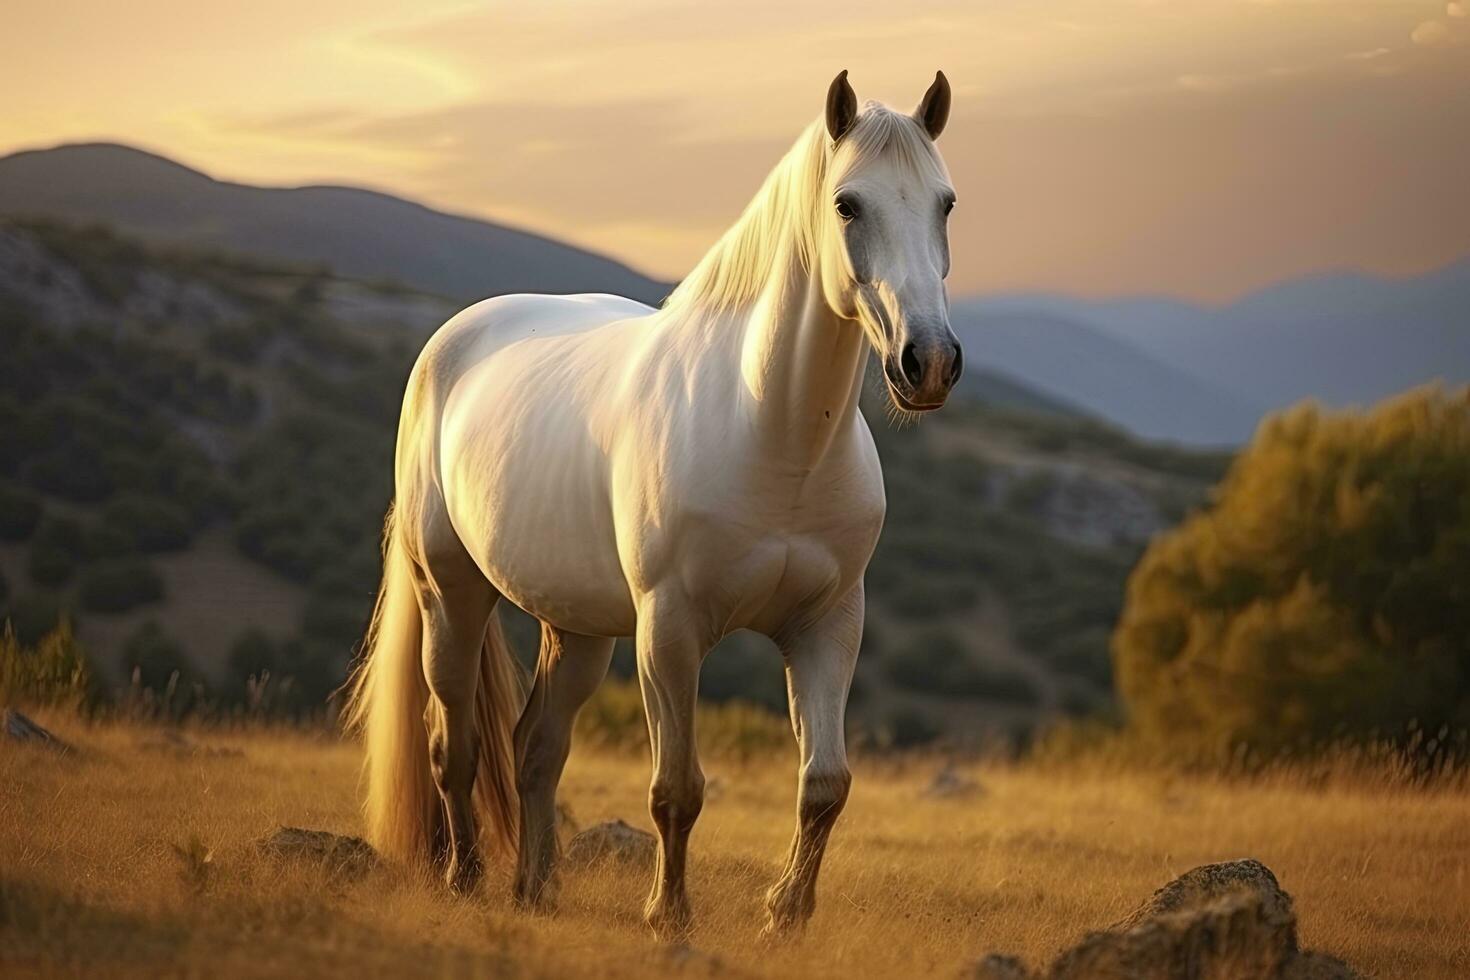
(32, 616)
(940, 664)
(254, 653)
(153, 657)
(71, 470)
(153, 524)
(927, 596)
(1322, 595)
(613, 718)
(906, 728)
(50, 566)
(119, 585)
(20, 513)
(54, 670)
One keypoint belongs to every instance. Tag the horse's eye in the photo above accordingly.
(847, 209)
(948, 206)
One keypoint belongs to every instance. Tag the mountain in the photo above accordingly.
(1344, 339)
(357, 233)
(1105, 376)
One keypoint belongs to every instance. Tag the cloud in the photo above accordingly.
(1439, 34)
(1431, 34)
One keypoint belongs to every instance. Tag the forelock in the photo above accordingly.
(883, 133)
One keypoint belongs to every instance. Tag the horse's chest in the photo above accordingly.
(753, 571)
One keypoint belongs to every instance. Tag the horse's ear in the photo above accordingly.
(933, 110)
(841, 106)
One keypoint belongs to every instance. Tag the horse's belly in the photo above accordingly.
(526, 491)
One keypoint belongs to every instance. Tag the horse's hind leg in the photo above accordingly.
(456, 602)
(819, 667)
(570, 668)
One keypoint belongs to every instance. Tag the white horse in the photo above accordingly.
(672, 474)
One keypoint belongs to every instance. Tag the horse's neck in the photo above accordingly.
(803, 367)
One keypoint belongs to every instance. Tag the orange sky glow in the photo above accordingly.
(1195, 147)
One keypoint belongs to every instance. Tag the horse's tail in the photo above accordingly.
(386, 707)
(387, 698)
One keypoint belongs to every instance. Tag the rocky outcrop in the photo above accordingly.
(1207, 883)
(16, 727)
(1215, 922)
(612, 841)
(350, 857)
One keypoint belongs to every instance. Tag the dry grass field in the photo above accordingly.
(131, 858)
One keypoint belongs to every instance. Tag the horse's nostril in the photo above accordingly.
(956, 366)
(908, 363)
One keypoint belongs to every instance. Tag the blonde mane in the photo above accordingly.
(786, 212)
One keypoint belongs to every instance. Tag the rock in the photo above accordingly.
(1207, 883)
(1215, 922)
(1243, 934)
(1000, 967)
(350, 857)
(1319, 966)
(171, 741)
(689, 959)
(19, 728)
(612, 841)
(950, 783)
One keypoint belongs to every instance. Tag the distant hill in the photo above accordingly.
(1343, 339)
(1105, 376)
(357, 233)
(1161, 368)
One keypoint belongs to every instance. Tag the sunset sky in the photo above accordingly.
(1195, 147)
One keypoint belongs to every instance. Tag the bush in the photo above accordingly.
(54, 670)
(119, 585)
(925, 597)
(20, 513)
(32, 617)
(1322, 595)
(153, 524)
(940, 664)
(153, 658)
(50, 565)
(613, 718)
(254, 653)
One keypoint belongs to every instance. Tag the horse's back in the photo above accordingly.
(516, 316)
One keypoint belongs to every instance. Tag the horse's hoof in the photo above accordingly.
(781, 928)
(672, 923)
(463, 877)
(534, 900)
(786, 916)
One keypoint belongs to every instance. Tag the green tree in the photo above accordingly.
(1325, 592)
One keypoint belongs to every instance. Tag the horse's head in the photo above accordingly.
(885, 238)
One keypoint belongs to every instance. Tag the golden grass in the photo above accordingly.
(124, 860)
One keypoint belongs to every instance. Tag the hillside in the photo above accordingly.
(195, 460)
(1161, 368)
(356, 233)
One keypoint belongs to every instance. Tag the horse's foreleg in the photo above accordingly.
(456, 611)
(819, 667)
(570, 668)
(669, 655)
